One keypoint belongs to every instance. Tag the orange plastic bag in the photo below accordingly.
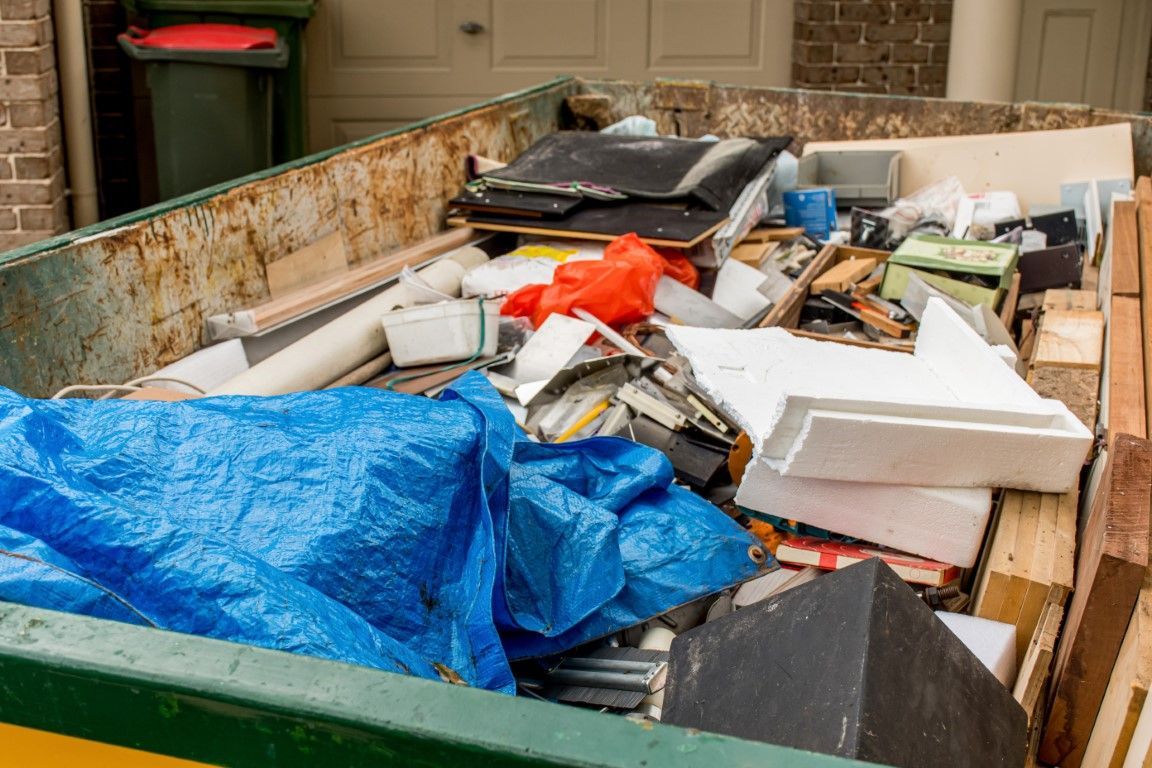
(677, 267)
(617, 289)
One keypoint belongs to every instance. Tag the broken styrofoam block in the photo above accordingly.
(945, 524)
(952, 414)
(993, 642)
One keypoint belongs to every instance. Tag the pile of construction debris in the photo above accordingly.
(873, 372)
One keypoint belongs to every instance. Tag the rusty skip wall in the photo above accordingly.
(129, 295)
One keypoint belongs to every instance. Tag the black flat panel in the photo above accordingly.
(713, 173)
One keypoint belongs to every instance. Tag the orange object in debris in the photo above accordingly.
(617, 289)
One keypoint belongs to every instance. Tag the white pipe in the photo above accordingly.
(655, 639)
(347, 342)
(72, 60)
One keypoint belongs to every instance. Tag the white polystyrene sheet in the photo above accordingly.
(993, 642)
(838, 412)
(945, 524)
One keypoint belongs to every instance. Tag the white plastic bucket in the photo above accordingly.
(441, 333)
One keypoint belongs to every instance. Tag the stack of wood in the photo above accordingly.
(1098, 708)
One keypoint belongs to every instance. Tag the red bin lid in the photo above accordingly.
(204, 37)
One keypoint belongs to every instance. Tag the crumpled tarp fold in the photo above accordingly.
(353, 524)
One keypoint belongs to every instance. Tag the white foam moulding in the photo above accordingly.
(952, 414)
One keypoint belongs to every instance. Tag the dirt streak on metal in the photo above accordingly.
(121, 304)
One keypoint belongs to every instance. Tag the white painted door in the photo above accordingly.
(1084, 51)
(377, 64)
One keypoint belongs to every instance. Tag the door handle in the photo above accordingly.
(471, 27)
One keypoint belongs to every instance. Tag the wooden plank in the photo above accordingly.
(1127, 689)
(786, 313)
(1072, 338)
(988, 597)
(842, 275)
(1037, 663)
(1008, 308)
(1110, 572)
(1069, 298)
(1125, 254)
(773, 234)
(1140, 750)
(1126, 412)
(1029, 562)
(1067, 360)
(753, 254)
(314, 262)
(1144, 233)
(243, 322)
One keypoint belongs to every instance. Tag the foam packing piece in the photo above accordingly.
(993, 642)
(945, 524)
(950, 415)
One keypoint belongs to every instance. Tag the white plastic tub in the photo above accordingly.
(441, 333)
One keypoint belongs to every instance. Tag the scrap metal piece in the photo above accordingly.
(644, 403)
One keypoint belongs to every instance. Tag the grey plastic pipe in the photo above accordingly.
(347, 342)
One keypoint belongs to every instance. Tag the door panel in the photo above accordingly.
(705, 34)
(376, 64)
(549, 34)
(1068, 50)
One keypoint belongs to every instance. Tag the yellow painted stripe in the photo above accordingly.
(42, 749)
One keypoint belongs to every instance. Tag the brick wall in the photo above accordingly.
(32, 204)
(872, 46)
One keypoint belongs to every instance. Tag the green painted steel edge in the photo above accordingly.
(224, 703)
(194, 198)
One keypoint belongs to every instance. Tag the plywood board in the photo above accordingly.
(311, 264)
(1110, 573)
(1033, 165)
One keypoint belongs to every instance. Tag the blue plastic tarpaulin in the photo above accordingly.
(353, 524)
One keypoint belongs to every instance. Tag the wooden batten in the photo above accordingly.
(1067, 359)
(1110, 573)
(1029, 562)
(1144, 238)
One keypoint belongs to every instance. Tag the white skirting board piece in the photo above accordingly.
(993, 642)
(952, 414)
(945, 524)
